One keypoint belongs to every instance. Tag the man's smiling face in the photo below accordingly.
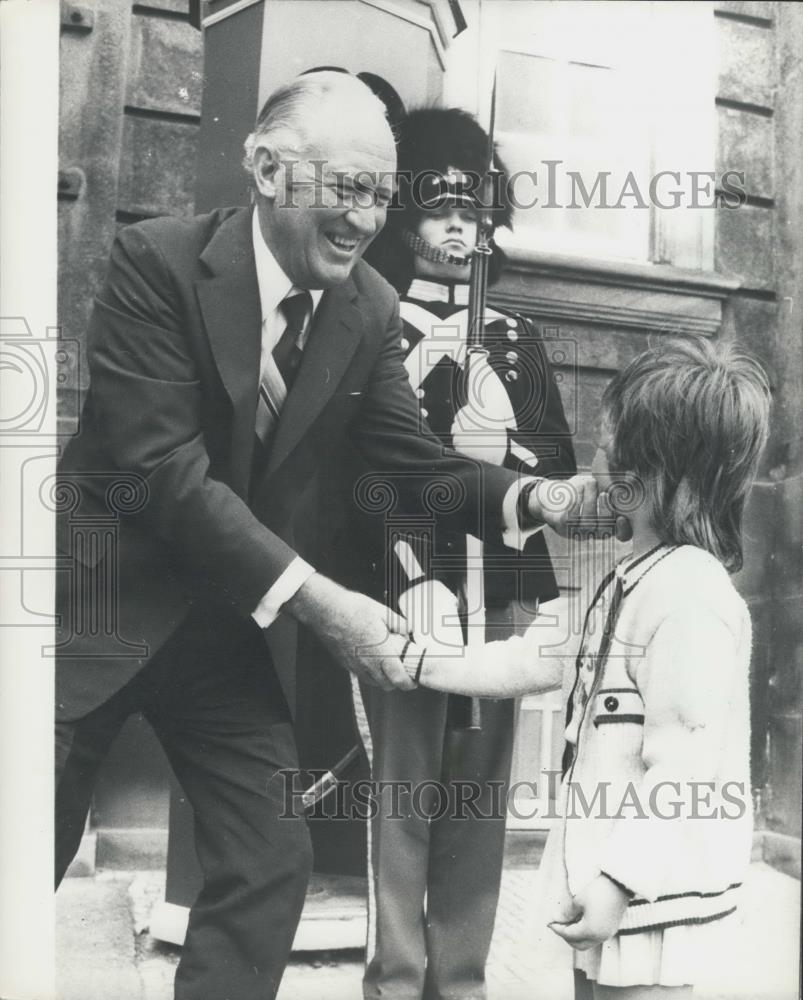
(324, 208)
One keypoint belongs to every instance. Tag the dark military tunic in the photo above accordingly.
(516, 419)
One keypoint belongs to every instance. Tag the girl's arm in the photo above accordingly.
(519, 665)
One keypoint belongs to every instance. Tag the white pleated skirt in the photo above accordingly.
(674, 956)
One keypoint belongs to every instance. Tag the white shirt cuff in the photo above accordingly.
(293, 578)
(513, 535)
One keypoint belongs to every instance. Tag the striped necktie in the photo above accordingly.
(281, 366)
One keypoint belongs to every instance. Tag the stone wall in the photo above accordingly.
(130, 114)
(760, 106)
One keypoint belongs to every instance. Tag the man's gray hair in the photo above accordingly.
(284, 121)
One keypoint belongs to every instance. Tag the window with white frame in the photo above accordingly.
(605, 119)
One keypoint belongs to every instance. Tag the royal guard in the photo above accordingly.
(434, 865)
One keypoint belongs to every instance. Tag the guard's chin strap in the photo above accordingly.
(421, 248)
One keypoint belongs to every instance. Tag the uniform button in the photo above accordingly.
(424, 413)
(511, 376)
(511, 357)
(405, 343)
(512, 335)
(420, 393)
(511, 323)
(611, 703)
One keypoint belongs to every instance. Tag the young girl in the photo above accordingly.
(656, 830)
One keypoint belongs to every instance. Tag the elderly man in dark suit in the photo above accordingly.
(231, 355)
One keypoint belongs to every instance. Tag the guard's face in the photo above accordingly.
(325, 208)
(452, 228)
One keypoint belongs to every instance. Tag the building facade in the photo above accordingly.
(664, 146)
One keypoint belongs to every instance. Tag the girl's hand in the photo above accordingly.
(598, 910)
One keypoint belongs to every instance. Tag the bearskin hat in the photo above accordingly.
(442, 154)
(448, 142)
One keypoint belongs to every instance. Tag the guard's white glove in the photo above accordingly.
(430, 609)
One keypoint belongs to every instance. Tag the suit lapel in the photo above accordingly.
(229, 303)
(336, 332)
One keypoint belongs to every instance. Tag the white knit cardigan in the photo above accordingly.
(666, 734)
(662, 743)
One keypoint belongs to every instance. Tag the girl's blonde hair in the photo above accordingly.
(690, 418)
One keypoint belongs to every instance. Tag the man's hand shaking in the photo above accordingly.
(364, 636)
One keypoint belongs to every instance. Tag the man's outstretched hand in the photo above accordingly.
(577, 506)
(364, 636)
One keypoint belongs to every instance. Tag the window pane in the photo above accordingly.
(584, 119)
(620, 93)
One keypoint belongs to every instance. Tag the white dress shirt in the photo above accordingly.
(274, 287)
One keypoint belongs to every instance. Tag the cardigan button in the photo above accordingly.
(611, 703)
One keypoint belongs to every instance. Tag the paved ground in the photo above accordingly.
(106, 953)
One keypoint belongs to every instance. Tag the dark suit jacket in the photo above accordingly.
(158, 507)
